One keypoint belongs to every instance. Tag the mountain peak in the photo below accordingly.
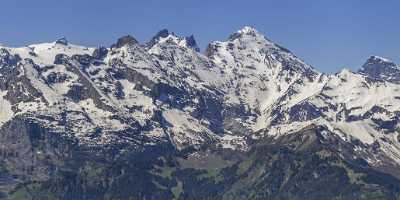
(62, 41)
(379, 59)
(125, 40)
(163, 33)
(250, 45)
(344, 72)
(191, 43)
(164, 36)
(246, 31)
(381, 68)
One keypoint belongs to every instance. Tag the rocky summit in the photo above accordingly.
(246, 119)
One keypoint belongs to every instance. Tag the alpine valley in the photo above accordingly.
(247, 119)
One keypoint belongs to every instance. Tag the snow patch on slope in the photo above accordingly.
(184, 129)
(6, 113)
(361, 130)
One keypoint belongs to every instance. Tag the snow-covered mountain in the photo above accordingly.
(165, 92)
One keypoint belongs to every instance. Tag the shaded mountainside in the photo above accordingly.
(246, 120)
(311, 164)
(381, 68)
(305, 165)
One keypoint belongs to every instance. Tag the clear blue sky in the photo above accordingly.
(329, 34)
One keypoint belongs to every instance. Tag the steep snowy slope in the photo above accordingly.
(259, 73)
(352, 106)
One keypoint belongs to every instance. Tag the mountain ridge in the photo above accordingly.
(162, 33)
(167, 99)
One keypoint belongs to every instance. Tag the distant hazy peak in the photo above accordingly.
(62, 41)
(379, 59)
(381, 68)
(125, 40)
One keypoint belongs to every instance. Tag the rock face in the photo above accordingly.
(125, 40)
(160, 34)
(191, 42)
(381, 68)
(247, 120)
